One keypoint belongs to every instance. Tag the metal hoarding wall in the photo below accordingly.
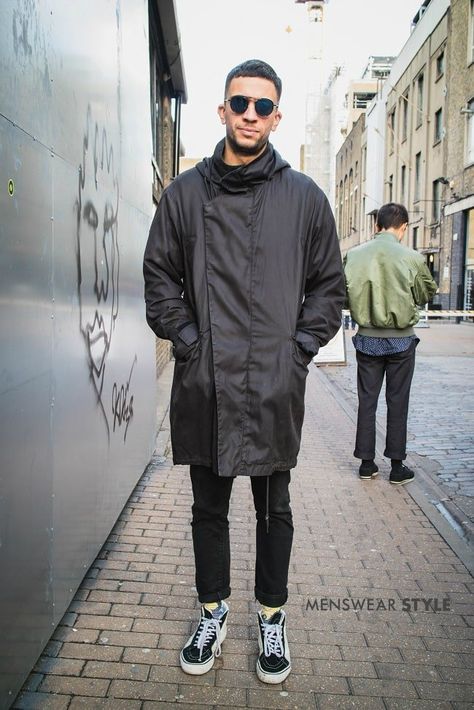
(77, 359)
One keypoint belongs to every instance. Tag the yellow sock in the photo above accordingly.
(211, 606)
(268, 611)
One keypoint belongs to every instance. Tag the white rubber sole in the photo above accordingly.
(201, 668)
(272, 678)
(367, 478)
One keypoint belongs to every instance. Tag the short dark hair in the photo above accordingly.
(391, 215)
(254, 67)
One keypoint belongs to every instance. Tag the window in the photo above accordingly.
(440, 65)
(356, 169)
(341, 208)
(417, 176)
(362, 100)
(469, 262)
(436, 211)
(419, 99)
(346, 200)
(390, 188)
(351, 202)
(364, 163)
(438, 125)
(391, 130)
(470, 133)
(405, 116)
(403, 177)
(415, 237)
(356, 211)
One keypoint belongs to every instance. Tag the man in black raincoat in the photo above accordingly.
(243, 274)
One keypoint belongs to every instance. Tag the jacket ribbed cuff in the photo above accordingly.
(307, 342)
(189, 334)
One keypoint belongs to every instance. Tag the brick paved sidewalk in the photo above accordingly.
(117, 646)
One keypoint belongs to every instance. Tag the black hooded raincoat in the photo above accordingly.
(243, 273)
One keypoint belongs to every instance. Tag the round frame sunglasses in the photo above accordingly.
(239, 104)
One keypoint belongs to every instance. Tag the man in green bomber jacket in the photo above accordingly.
(386, 282)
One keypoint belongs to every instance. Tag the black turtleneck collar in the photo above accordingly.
(239, 178)
(222, 168)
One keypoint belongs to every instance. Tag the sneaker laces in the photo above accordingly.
(207, 629)
(273, 640)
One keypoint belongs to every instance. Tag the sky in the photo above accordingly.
(216, 35)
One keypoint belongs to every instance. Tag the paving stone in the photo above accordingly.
(96, 652)
(339, 702)
(109, 623)
(118, 638)
(399, 704)
(104, 704)
(138, 690)
(75, 686)
(280, 699)
(383, 688)
(354, 668)
(445, 691)
(405, 671)
(106, 669)
(388, 655)
(74, 635)
(211, 695)
(41, 701)
(59, 666)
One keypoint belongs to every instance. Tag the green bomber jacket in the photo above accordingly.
(386, 282)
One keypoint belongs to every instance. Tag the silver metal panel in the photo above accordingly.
(25, 382)
(25, 66)
(77, 361)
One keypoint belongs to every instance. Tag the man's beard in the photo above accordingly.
(239, 149)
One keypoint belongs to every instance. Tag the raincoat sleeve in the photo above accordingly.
(321, 312)
(167, 313)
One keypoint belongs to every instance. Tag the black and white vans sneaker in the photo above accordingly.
(204, 645)
(273, 664)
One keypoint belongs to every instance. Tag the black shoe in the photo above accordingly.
(401, 474)
(273, 663)
(204, 645)
(368, 469)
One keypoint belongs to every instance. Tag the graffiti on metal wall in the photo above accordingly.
(98, 272)
(122, 403)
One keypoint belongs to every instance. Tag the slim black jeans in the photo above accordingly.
(398, 370)
(210, 529)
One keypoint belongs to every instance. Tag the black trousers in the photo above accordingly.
(398, 370)
(210, 529)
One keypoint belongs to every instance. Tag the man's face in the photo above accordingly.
(247, 133)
